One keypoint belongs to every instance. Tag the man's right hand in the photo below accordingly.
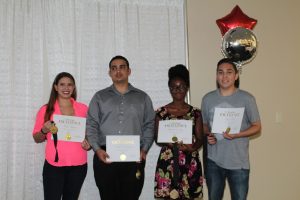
(102, 155)
(211, 139)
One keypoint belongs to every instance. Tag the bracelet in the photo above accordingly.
(43, 132)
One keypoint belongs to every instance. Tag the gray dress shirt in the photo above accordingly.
(113, 113)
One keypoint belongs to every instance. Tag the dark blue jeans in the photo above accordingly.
(216, 176)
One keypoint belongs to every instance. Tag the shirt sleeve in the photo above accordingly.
(93, 124)
(252, 110)
(204, 111)
(147, 137)
(39, 120)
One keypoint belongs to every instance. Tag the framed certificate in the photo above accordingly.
(227, 119)
(170, 131)
(70, 128)
(125, 148)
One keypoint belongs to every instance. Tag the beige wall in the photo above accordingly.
(271, 77)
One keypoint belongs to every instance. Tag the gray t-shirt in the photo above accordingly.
(230, 154)
(113, 113)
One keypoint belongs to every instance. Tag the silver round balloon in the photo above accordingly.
(239, 44)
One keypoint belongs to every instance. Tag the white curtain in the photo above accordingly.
(40, 38)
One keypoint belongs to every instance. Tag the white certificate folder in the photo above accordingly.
(179, 129)
(227, 118)
(70, 128)
(125, 148)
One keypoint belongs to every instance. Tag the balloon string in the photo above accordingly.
(239, 68)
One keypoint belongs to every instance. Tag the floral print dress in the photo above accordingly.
(189, 185)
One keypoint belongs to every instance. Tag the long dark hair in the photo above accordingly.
(54, 94)
(229, 61)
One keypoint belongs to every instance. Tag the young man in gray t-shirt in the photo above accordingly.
(227, 153)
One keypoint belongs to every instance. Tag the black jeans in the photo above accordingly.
(63, 182)
(119, 180)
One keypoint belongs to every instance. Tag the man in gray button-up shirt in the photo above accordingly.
(119, 109)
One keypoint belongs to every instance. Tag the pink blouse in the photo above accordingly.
(69, 153)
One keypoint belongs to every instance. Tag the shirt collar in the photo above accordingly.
(130, 88)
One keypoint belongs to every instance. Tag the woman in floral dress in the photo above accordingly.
(178, 172)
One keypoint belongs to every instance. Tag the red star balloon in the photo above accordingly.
(235, 19)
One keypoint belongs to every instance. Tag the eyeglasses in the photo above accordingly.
(179, 88)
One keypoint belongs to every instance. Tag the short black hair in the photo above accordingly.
(119, 57)
(179, 71)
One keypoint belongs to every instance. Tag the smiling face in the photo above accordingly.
(65, 88)
(178, 89)
(226, 76)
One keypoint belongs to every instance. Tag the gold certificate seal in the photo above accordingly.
(174, 139)
(227, 130)
(122, 157)
(68, 136)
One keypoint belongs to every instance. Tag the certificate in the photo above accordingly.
(125, 148)
(70, 128)
(227, 119)
(170, 131)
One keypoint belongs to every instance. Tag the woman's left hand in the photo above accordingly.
(86, 145)
(185, 147)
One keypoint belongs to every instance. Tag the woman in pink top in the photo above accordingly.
(65, 165)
